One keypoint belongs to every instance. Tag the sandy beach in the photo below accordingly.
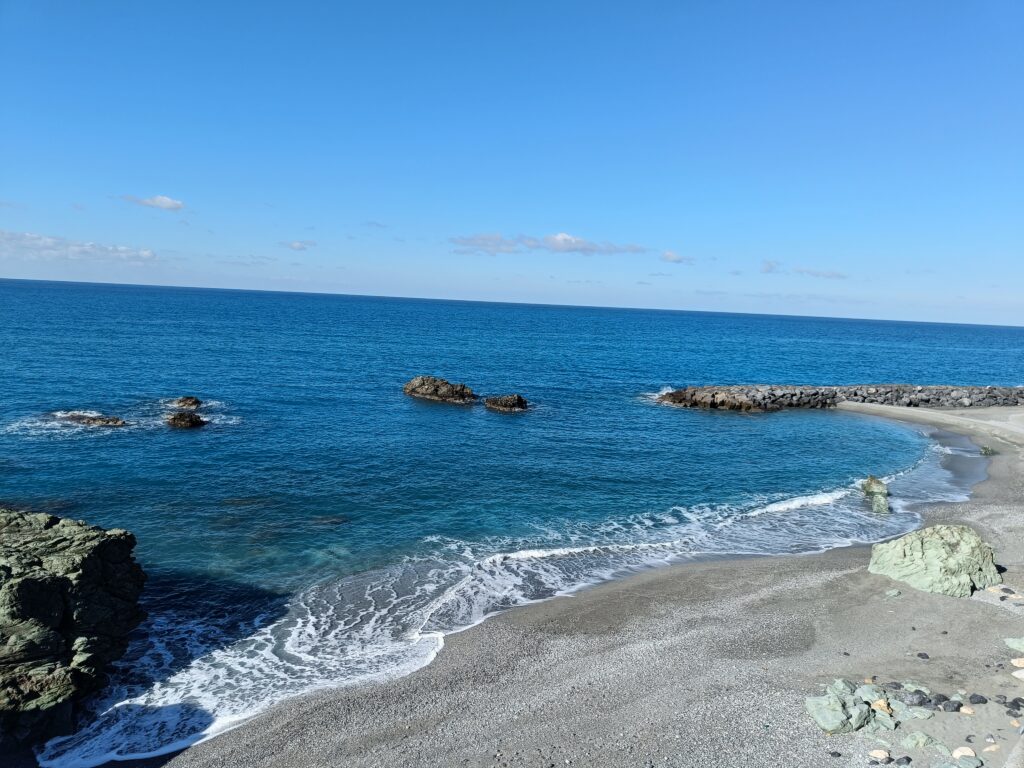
(702, 664)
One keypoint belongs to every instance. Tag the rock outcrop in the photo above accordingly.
(185, 420)
(877, 493)
(90, 419)
(846, 707)
(507, 403)
(948, 559)
(68, 599)
(188, 401)
(433, 388)
(756, 398)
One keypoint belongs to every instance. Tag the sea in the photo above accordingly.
(326, 530)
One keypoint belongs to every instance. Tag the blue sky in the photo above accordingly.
(860, 159)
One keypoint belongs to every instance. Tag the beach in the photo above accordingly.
(700, 664)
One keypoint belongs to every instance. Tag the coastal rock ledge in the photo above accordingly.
(757, 398)
(68, 599)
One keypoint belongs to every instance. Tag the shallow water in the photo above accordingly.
(324, 529)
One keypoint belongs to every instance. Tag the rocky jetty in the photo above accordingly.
(68, 599)
(188, 401)
(948, 559)
(90, 419)
(757, 398)
(878, 494)
(433, 388)
(507, 403)
(185, 420)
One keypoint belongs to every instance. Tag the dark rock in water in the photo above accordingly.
(68, 599)
(185, 420)
(433, 388)
(91, 419)
(507, 403)
(188, 401)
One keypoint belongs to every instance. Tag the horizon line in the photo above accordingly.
(508, 303)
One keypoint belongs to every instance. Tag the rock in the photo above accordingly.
(188, 401)
(846, 707)
(1015, 643)
(963, 752)
(90, 419)
(878, 754)
(507, 403)
(877, 493)
(185, 420)
(68, 599)
(977, 698)
(433, 388)
(947, 559)
(951, 706)
(918, 740)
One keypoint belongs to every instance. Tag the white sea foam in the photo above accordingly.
(140, 417)
(389, 622)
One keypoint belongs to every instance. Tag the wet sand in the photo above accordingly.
(701, 664)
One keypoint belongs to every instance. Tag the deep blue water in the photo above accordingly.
(325, 529)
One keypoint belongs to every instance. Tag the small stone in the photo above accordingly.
(951, 706)
(1015, 643)
(977, 698)
(939, 698)
(1013, 713)
(835, 754)
(965, 710)
(878, 754)
(991, 748)
(924, 656)
(905, 760)
(990, 739)
(893, 593)
(915, 699)
(963, 752)
(1019, 674)
(1017, 662)
(1006, 590)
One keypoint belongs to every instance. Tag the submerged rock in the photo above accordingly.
(433, 388)
(188, 401)
(68, 599)
(948, 559)
(507, 403)
(878, 493)
(91, 419)
(185, 420)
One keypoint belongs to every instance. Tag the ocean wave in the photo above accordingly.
(139, 417)
(392, 621)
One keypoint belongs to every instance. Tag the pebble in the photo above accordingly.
(1006, 590)
(1018, 703)
(905, 760)
(951, 706)
(1013, 713)
(991, 748)
(835, 754)
(878, 754)
(963, 752)
(990, 739)
(924, 656)
(1017, 662)
(977, 698)
(1019, 674)
(965, 710)
(939, 698)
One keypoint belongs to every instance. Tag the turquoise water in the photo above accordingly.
(325, 529)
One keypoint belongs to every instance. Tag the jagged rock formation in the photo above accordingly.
(757, 398)
(185, 420)
(188, 401)
(433, 388)
(507, 403)
(91, 419)
(68, 599)
(948, 559)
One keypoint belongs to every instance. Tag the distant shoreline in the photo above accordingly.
(684, 662)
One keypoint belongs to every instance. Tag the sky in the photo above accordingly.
(856, 159)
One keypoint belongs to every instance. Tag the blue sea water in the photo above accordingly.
(324, 529)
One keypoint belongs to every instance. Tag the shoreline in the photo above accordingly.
(517, 689)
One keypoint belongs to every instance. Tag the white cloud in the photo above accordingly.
(163, 202)
(824, 274)
(26, 246)
(674, 258)
(300, 245)
(562, 242)
(770, 267)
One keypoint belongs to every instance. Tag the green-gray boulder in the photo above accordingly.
(845, 708)
(948, 559)
(877, 493)
(68, 599)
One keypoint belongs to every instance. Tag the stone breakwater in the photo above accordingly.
(68, 599)
(756, 398)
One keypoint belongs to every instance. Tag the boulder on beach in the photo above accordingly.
(433, 388)
(90, 419)
(68, 599)
(187, 401)
(947, 559)
(846, 707)
(877, 493)
(507, 403)
(185, 420)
